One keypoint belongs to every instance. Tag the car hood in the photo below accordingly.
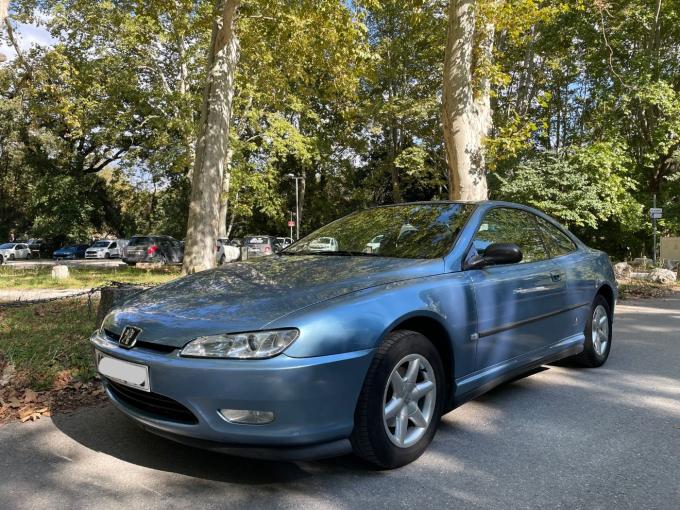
(248, 295)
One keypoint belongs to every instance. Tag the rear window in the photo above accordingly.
(137, 241)
(257, 240)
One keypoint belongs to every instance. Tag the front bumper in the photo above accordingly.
(313, 400)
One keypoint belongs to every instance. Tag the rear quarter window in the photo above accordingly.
(558, 243)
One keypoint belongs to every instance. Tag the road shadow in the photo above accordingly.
(107, 430)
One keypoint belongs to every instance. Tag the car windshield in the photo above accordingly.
(6, 246)
(137, 241)
(417, 231)
(101, 244)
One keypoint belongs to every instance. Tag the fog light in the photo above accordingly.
(247, 417)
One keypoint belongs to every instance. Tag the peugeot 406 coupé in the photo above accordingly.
(312, 353)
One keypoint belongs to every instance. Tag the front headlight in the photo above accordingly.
(255, 345)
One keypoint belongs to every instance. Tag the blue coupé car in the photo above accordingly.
(312, 353)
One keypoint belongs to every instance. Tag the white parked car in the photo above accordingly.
(374, 244)
(14, 251)
(323, 244)
(284, 242)
(106, 249)
(224, 252)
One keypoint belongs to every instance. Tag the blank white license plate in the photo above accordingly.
(124, 372)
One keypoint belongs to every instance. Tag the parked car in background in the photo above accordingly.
(323, 244)
(284, 242)
(374, 244)
(106, 249)
(153, 248)
(224, 252)
(312, 354)
(36, 246)
(260, 246)
(15, 251)
(75, 251)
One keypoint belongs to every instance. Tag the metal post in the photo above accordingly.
(654, 227)
(297, 211)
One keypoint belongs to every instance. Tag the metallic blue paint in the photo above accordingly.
(498, 321)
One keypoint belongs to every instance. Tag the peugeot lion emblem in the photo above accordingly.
(128, 337)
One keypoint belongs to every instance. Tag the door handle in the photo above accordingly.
(555, 276)
(532, 290)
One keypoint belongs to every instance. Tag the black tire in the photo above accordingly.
(29, 256)
(369, 438)
(223, 259)
(590, 357)
(11, 256)
(107, 255)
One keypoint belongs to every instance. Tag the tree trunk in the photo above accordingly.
(4, 8)
(224, 197)
(466, 112)
(213, 142)
(233, 217)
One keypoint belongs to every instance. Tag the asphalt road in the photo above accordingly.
(561, 438)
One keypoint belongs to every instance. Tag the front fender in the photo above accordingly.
(360, 320)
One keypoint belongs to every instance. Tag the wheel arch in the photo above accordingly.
(607, 292)
(432, 327)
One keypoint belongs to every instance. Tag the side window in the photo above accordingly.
(504, 225)
(112, 246)
(558, 242)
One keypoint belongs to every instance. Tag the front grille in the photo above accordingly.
(151, 403)
(145, 345)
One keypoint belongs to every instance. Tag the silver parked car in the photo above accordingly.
(106, 249)
(225, 252)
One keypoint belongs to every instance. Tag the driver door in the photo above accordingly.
(517, 304)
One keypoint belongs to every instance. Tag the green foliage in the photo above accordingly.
(97, 132)
(582, 187)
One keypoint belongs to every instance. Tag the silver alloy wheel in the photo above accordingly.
(409, 401)
(600, 330)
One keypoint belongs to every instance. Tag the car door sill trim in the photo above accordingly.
(513, 325)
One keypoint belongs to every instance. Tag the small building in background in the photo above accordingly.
(670, 248)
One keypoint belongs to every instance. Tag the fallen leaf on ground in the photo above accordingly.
(30, 396)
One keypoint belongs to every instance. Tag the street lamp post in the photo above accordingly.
(297, 203)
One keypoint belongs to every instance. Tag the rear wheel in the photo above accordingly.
(598, 333)
(401, 402)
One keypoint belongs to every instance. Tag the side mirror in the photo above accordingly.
(496, 254)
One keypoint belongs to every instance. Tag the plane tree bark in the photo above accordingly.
(212, 145)
(466, 101)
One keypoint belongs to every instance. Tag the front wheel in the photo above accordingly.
(401, 401)
(598, 333)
